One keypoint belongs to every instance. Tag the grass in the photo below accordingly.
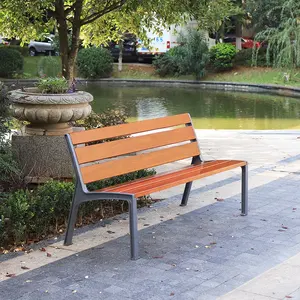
(256, 75)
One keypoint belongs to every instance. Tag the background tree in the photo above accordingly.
(264, 13)
(213, 14)
(29, 19)
(284, 40)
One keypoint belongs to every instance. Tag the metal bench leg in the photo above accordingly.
(244, 191)
(186, 193)
(134, 242)
(72, 221)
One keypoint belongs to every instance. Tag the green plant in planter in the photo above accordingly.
(53, 85)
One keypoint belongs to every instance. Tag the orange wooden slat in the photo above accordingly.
(160, 182)
(134, 144)
(134, 163)
(129, 128)
(153, 178)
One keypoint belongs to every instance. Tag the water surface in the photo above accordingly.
(209, 109)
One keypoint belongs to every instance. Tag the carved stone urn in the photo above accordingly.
(49, 114)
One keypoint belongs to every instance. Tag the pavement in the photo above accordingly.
(205, 250)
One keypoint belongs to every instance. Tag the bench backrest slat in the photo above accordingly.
(134, 144)
(128, 129)
(133, 163)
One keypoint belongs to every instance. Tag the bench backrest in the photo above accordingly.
(179, 131)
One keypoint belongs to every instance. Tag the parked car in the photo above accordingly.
(246, 43)
(129, 49)
(4, 41)
(44, 46)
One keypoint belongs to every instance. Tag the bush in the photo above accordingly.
(250, 57)
(49, 66)
(222, 56)
(189, 58)
(108, 118)
(11, 62)
(23, 50)
(165, 65)
(30, 215)
(94, 62)
(10, 175)
(244, 57)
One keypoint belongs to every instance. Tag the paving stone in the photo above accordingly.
(177, 261)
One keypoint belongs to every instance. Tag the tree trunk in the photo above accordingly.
(62, 28)
(68, 54)
(238, 33)
(120, 61)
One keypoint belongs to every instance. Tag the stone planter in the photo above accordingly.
(49, 114)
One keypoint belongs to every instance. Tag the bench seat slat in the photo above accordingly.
(138, 162)
(92, 135)
(134, 144)
(170, 179)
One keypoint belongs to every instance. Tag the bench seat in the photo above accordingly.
(162, 181)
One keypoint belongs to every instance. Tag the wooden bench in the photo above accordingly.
(181, 141)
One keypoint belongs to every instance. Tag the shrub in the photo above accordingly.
(22, 50)
(53, 85)
(108, 118)
(252, 57)
(166, 65)
(94, 62)
(190, 57)
(244, 57)
(49, 66)
(222, 56)
(9, 171)
(30, 215)
(11, 62)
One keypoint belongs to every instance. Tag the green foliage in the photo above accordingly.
(165, 65)
(4, 112)
(222, 56)
(49, 66)
(189, 58)
(9, 172)
(53, 85)
(11, 62)
(35, 214)
(94, 62)
(251, 57)
(264, 13)
(284, 41)
(22, 50)
(108, 118)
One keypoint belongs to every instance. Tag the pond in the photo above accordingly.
(209, 109)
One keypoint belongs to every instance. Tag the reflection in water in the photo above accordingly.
(209, 109)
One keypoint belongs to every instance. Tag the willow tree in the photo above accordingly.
(28, 19)
(284, 40)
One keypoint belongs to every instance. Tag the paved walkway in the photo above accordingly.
(203, 251)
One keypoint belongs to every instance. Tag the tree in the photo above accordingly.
(284, 40)
(116, 25)
(28, 19)
(264, 13)
(214, 14)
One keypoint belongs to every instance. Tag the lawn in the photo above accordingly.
(146, 71)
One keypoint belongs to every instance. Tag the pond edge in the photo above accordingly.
(209, 85)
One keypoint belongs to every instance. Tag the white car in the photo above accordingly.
(44, 45)
(3, 41)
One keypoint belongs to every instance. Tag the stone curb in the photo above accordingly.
(215, 85)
